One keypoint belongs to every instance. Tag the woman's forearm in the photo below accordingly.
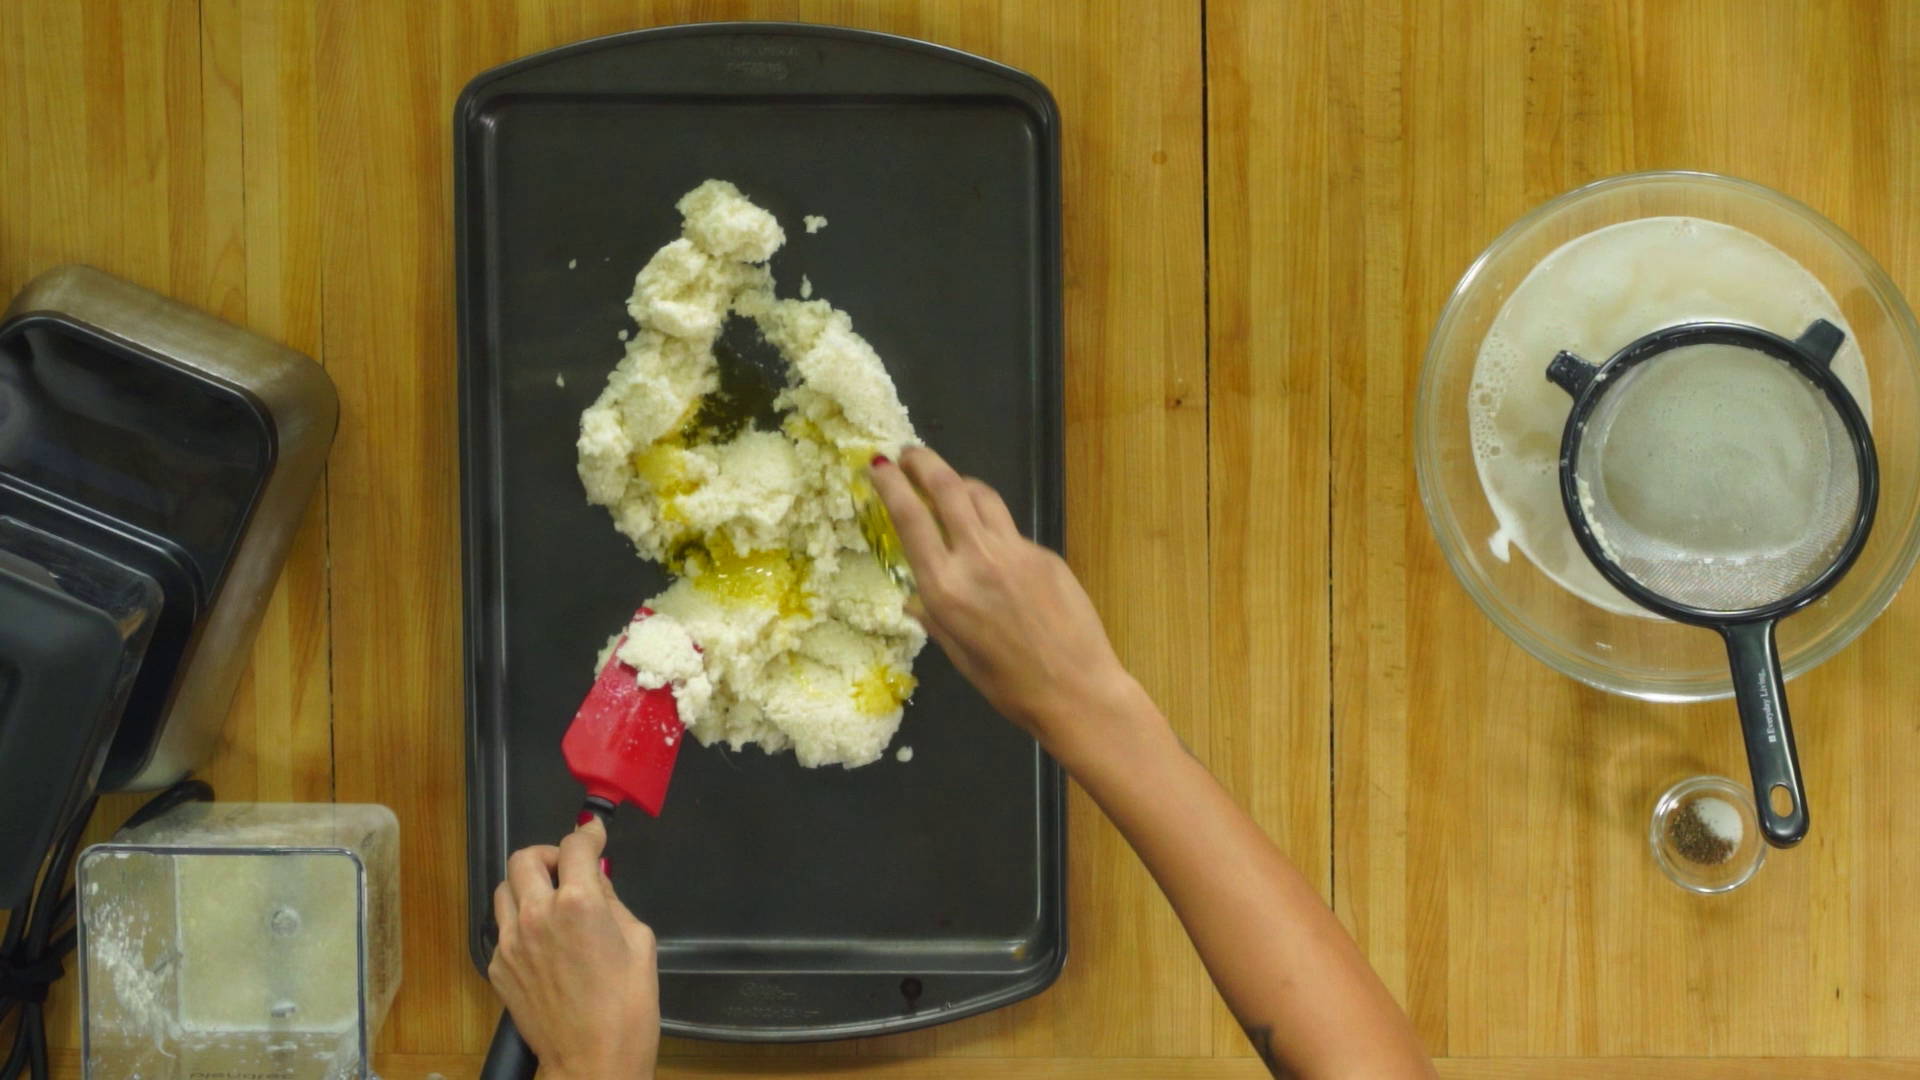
(1284, 964)
(1015, 621)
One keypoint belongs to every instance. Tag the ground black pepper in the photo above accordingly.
(1695, 840)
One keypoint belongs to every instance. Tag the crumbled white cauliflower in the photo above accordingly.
(684, 292)
(727, 225)
(814, 223)
(661, 653)
(803, 638)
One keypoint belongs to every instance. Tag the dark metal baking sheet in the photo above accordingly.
(790, 903)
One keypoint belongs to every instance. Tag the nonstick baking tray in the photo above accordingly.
(790, 903)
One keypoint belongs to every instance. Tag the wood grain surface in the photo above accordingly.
(1266, 204)
(1490, 814)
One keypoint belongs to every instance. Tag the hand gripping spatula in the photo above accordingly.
(621, 746)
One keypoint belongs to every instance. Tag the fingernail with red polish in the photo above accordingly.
(585, 817)
(606, 867)
(881, 459)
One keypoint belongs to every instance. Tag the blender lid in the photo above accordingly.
(73, 628)
(179, 445)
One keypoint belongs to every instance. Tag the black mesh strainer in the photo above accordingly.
(1722, 476)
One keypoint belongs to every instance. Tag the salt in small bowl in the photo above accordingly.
(1705, 835)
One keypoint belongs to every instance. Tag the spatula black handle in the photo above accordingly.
(508, 1056)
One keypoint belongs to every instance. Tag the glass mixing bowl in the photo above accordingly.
(1631, 654)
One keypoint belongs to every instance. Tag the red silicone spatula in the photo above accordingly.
(622, 743)
(621, 746)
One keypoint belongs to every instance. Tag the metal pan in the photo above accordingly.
(790, 903)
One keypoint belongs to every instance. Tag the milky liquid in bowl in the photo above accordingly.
(1592, 296)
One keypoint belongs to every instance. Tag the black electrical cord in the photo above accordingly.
(40, 936)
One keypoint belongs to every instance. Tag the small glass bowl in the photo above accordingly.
(1707, 878)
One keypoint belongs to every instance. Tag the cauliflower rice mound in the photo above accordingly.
(803, 640)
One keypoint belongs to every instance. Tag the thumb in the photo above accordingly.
(580, 853)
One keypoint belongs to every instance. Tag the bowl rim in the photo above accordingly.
(1517, 627)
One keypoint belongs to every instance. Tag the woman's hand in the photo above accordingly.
(573, 965)
(1008, 612)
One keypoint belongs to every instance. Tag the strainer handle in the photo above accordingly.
(1761, 694)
